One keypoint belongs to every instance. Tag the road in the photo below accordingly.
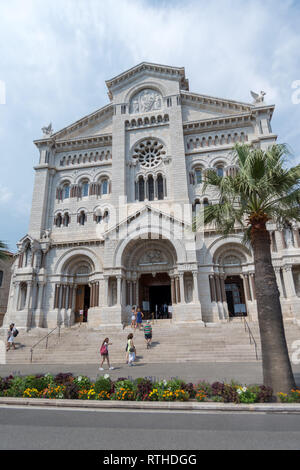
(44, 428)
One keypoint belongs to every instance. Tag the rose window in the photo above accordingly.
(149, 153)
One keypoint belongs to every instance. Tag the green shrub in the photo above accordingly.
(103, 384)
(82, 382)
(16, 388)
(39, 382)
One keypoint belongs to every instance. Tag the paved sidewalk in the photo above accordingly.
(247, 373)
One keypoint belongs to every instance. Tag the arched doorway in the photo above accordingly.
(235, 296)
(232, 282)
(150, 266)
(77, 294)
(155, 294)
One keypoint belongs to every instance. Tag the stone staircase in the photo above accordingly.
(226, 342)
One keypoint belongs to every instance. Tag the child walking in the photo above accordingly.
(104, 354)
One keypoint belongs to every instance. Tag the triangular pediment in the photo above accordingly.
(92, 125)
(196, 107)
(148, 68)
(140, 219)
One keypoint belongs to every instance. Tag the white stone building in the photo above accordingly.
(113, 197)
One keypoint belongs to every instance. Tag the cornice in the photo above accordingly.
(80, 124)
(215, 101)
(77, 143)
(223, 103)
(178, 72)
(222, 122)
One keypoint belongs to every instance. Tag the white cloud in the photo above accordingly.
(5, 195)
(55, 56)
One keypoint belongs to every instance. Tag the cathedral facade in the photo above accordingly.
(113, 201)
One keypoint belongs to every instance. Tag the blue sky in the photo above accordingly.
(56, 55)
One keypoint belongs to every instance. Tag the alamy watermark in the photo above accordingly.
(2, 92)
(296, 93)
(2, 352)
(296, 352)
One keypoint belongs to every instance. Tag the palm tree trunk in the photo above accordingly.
(277, 370)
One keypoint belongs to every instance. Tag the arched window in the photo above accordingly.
(141, 189)
(66, 220)
(85, 188)
(28, 256)
(82, 218)
(160, 187)
(66, 191)
(205, 202)
(150, 182)
(23, 295)
(198, 175)
(220, 171)
(1, 278)
(104, 186)
(106, 216)
(58, 220)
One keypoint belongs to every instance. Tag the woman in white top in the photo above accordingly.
(133, 317)
(10, 337)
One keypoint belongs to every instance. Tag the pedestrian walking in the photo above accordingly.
(104, 354)
(133, 317)
(131, 350)
(148, 334)
(139, 318)
(11, 334)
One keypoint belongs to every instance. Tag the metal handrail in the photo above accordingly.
(251, 337)
(44, 338)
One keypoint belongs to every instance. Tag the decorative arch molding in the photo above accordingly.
(83, 176)
(221, 160)
(145, 85)
(102, 174)
(157, 231)
(74, 254)
(225, 244)
(155, 251)
(198, 162)
(62, 179)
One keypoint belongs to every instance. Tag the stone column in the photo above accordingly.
(195, 290)
(133, 293)
(212, 288)
(289, 281)
(137, 292)
(177, 290)
(296, 236)
(182, 290)
(246, 286)
(28, 295)
(217, 282)
(106, 299)
(16, 296)
(173, 296)
(119, 289)
(252, 285)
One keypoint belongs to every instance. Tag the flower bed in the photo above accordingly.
(66, 386)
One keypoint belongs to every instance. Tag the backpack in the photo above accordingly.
(15, 333)
(103, 350)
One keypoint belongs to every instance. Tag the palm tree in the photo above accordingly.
(262, 190)
(3, 250)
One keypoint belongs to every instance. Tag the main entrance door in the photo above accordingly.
(82, 303)
(155, 293)
(235, 296)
